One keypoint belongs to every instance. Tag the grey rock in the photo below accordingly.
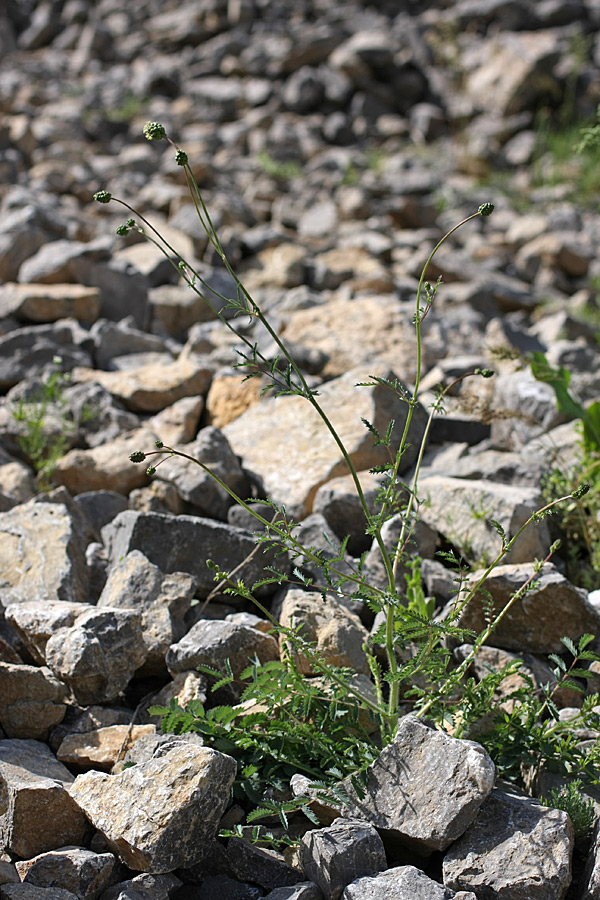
(338, 502)
(33, 892)
(162, 600)
(175, 817)
(52, 263)
(515, 847)
(99, 653)
(100, 507)
(122, 338)
(144, 887)
(31, 778)
(184, 544)
(333, 857)
(401, 883)
(461, 510)
(306, 890)
(538, 620)
(259, 865)
(26, 352)
(22, 232)
(195, 485)
(425, 788)
(590, 881)
(151, 746)
(99, 416)
(211, 643)
(42, 554)
(123, 290)
(83, 872)
(35, 623)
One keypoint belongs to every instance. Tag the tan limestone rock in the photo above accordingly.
(42, 554)
(150, 388)
(31, 701)
(32, 780)
(50, 302)
(106, 467)
(288, 428)
(178, 796)
(339, 635)
(102, 748)
(356, 332)
(229, 396)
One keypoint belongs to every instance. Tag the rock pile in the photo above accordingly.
(334, 144)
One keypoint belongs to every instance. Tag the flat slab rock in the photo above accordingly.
(184, 544)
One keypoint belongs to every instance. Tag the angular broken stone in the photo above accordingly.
(515, 847)
(152, 387)
(33, 892)
(106, 467)
(425, 788)
(163, 600)
(311, 455)
(49, 302)
(184, 544)
(32, 779)
(102, 748)
(36, 623)
(212, 643)
(333, 857)
(461, 509)
(536, 622)
(98, 654)
(306, 890)
(195, 485)
(260, 865)
(144, 887)
(83, 872)
(401, 883)
(31, 701)
(339, 635)
(42, 554)
(178, 798)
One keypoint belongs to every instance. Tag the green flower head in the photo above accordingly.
(154, 131)
(122, 230)
(137, 456)
(486, 209)
(181, 158)
(102, 197)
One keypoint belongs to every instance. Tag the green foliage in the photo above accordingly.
(580, 808)
(46, 423)
(326, 726)
(280, 170)
(579, 525)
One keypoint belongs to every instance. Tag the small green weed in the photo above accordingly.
(278, 169)
(579, 807)
(579, 521)
(47, 424)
